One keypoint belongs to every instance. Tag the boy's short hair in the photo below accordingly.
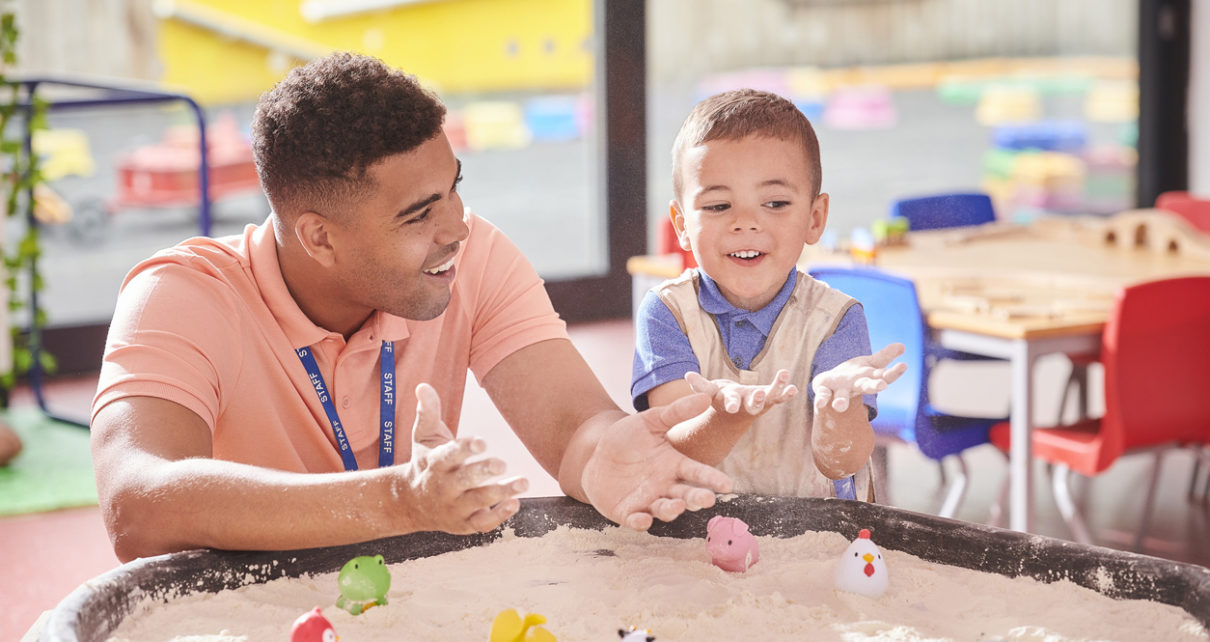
(740, 113)
(316, 133)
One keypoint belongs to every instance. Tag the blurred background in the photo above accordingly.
(1033, 101)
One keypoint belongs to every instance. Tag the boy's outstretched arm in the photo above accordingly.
(710, 436)
(841, 437)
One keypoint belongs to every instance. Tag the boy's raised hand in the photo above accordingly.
(731, 397)
(450, 492)
(858, 376)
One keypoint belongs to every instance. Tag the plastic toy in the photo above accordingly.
(861, 569)
(364, 582)
(510, 627)
(636, 635)
(892, 231)
(732, 548)
(862, 247)
(312, 626)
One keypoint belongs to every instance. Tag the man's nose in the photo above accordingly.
(453, 227)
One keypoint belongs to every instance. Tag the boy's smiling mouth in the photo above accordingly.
(746, 255)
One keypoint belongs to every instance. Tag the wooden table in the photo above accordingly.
(1021, 292)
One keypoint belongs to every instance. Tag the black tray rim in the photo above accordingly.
(94, 609)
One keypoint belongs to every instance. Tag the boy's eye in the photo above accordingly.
(776, 205)
(719, 207)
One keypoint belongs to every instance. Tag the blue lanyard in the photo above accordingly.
(386, 446)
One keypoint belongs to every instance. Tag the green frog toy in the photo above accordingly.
(364, 582)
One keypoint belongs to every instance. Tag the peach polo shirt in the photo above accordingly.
(210, 325)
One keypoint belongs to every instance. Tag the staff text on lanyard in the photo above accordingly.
(386, 409)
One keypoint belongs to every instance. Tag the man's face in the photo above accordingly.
(396, 247)
(746, 209)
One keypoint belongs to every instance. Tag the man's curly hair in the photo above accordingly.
(317, 132)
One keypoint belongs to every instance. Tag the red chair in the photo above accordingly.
(1194, 210)
(1154, 351)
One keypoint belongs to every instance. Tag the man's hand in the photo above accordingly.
(732, 397)
(635, 475)
(855, 377)
(449, 491)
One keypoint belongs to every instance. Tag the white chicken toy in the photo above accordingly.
(861, 569)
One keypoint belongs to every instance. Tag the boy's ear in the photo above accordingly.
(678, 224)
(314, 235)
(819, 218)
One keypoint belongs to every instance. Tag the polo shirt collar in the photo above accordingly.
(712, 300)
(298, 328)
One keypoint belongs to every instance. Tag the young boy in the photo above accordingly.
(747, 327)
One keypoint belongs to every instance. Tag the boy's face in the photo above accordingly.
(745, 211)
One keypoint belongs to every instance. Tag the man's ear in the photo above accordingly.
(678, 225)
(819, 218)
(314, 235)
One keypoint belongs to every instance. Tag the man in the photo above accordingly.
(248, 392)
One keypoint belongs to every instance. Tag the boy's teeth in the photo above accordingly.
(746, 254)
(441, 268)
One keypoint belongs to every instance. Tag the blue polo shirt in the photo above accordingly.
(662, 351)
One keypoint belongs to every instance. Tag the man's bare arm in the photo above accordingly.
(160, 491)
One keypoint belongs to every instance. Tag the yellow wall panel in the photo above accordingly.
(453, 45)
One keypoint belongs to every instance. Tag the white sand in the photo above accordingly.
(670, 587)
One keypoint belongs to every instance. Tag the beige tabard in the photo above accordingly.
(774, 456)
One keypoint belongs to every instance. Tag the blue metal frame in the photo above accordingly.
(110, 95)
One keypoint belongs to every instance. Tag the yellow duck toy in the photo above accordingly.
(509, 627)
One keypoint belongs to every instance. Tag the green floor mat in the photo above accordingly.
(54, 469)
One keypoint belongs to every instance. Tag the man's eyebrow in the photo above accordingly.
(419, 205)
(431, 198)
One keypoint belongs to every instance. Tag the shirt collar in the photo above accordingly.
(298, 328)
(711, 299)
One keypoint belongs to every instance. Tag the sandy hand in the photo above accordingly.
(732, 397)
(858, 376)
(450, 490)
(635, 475)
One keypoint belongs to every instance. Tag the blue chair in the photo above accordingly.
(944, 210)
(893, 314)
(959, 209)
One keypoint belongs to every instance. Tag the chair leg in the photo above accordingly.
(1197, 471)
(880, 464)
(1206, 488)
(999, 508)
(957, 489)
(1079, 379)
(1203, 457)
(1149, 502)
(1060, 484)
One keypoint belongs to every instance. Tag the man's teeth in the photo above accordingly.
(746, 254)
(441, 268)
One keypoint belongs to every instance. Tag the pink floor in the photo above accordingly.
(48, 555)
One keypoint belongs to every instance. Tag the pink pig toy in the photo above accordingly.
(732, 547)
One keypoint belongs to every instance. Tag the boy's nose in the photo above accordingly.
(744, 221)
